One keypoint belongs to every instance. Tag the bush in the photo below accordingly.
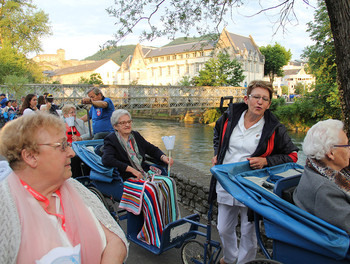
(211, 115)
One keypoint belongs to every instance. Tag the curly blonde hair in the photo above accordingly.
(21, 133)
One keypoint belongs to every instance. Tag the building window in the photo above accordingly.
(168, 58)
(201, 53)
(160, 71)
(197, 67)
(187, 68)
(257, 67)
(169, 70)
(155, 59)
(181, 56)
(187, 55)
(178, 69)
(174, 57)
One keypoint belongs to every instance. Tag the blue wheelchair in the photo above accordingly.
(298, 236)
(107, 184)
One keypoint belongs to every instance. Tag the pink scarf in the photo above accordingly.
(38, 234)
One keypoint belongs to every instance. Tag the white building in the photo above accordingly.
(294, 73)
(71, 75)
(169, 64)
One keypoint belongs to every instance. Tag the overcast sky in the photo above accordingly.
(80, 27)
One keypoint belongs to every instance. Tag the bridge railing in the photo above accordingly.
(137, 97)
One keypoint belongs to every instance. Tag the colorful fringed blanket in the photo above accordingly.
(158, 202)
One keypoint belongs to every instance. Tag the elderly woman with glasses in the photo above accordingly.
(324, 187)
(248, 131)
(46, 216)
(126, 149)
(153, 195)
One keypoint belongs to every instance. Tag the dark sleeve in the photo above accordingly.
(217, 129)
(147, 148)
(114, 155)
(284, 149)
(333, 206)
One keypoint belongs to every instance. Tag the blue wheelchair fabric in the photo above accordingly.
(283, 221)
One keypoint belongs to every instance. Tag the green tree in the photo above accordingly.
(299, 88)
(15, 63)
(284, 89)
(95, 78)
(185, 81)
(275, 58)
(22, 25)
(321, 63)
(220, 71)
(15, 84)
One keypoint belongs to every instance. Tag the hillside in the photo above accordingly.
(119, 54)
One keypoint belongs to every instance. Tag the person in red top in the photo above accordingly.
(76, 130)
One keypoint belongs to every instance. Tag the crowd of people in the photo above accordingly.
(40, 201)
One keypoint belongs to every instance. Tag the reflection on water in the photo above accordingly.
(193, 143)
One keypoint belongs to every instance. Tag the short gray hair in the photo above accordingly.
(96, 91)
(118, 114)
(66, 108)
(321, 137)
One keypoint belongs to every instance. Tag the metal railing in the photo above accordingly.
(138, 97)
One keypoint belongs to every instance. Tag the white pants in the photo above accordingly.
(227, 222)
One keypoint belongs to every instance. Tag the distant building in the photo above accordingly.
(294, 73)
(72, 75)
(51, 62)
(169, 64)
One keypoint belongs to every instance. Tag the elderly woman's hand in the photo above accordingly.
(166, 160)
(257, 163)
(134, 172)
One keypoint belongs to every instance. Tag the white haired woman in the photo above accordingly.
(125, 150)
(44, 213)
(324, 188)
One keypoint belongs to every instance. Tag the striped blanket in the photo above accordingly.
(156, 200)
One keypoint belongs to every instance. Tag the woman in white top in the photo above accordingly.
(29, 105)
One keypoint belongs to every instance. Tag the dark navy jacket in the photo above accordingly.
(115, 156)
(275, 143)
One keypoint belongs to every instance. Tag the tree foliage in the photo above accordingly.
(95, 78)
(220, 71)
(15, 63)
(22, 25)
(168, 17)
(275, 58)
(321, 63)
(321, 55)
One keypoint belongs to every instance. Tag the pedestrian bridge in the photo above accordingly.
(133, 97)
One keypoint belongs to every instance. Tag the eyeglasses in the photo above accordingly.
(64, 145)
(257, 97)
(123, 123)
(341, 146)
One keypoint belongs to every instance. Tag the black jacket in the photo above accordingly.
(115, 156)
(281, 148)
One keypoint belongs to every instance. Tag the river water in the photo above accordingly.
(193, 143)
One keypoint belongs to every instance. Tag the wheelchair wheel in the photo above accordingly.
(99, 196)
(192, 251)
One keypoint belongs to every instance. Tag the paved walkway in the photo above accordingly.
(138, 255)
